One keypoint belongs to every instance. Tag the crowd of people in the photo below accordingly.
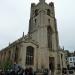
(18, 70)
(21, 72)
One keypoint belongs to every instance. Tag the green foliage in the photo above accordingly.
(6, 65)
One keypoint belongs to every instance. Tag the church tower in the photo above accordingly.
(43, 29)
(43, 26)
(41, 1)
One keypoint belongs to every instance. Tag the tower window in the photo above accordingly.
(49, 35)
(29, 55)
(49, 21)
(48, 12)
(62, 59)
(36, 12)
(35, 20)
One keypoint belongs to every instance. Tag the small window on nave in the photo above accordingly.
(1, 55)
(9, 54)
(30, 55)
(4, 55)
(16, 55)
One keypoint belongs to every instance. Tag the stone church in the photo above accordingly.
(40, 48)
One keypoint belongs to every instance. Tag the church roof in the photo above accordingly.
(25, 39)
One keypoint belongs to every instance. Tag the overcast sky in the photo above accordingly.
(14, 20)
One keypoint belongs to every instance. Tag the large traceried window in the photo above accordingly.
(49, 35)
(30, 55)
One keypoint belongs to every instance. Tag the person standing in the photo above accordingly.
(49, 73)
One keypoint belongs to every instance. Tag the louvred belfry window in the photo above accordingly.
(48, 12)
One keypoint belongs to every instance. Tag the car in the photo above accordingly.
(71, 72)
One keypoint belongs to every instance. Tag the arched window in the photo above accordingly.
(16, 54)
(4, 55)
(30, 55)
(35, 21)
(48, 12)
(49, 35)
(9, 54)
(62, 59)
(49, 21)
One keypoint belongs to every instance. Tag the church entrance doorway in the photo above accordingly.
(51, 65)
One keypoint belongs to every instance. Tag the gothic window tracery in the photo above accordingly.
(30, 55)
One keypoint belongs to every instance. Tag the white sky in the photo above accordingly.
(14, 19)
